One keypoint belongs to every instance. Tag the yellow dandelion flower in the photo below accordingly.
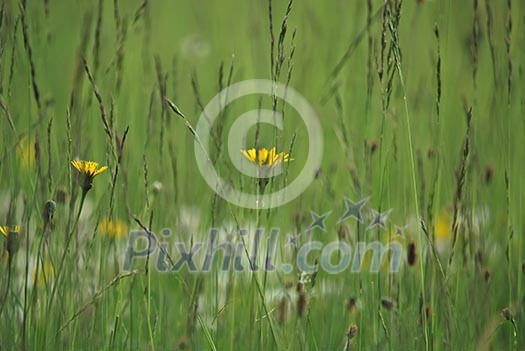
(443, 231)
(114, 229)
(89, 170)
(46, 274)
(26, 152)
(11, 242)
(8, 230)
(265, 157)
(443, 226)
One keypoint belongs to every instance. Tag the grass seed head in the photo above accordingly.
(61, 195)
(351, 304)
(48, 214)
(373, 146)
(182, 343)
(412, 254)
(387, 303)
(352, 331)
(507, 314)
(282, 310)
(302, 302)
(489, 174)
(487, 274)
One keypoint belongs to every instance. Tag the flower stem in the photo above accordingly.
(66, 249)
(8, 286)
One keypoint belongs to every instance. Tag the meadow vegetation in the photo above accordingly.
(422, 108)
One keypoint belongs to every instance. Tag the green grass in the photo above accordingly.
(392, 86)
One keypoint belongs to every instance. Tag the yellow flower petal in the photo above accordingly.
(265, 157)
(114, 229)
(7, 230)
(89, 169)
(443, 226)
(77, 165)
(252, 154)
(262, 156)
(100, 170)
(26, 152)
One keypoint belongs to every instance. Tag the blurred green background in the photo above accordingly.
(392, 84)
